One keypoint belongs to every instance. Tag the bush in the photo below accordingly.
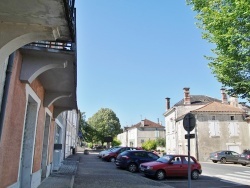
(161, 142)
(116, 142)
(149, 145)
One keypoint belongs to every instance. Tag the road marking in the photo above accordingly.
(234, 179)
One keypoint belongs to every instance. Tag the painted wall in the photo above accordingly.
(11, 143)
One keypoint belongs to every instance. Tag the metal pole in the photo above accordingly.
(189, 167)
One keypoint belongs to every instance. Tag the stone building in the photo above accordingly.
(220, 125)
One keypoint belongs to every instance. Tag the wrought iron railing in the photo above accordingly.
(67, 46)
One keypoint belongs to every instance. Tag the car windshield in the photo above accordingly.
(164, 159)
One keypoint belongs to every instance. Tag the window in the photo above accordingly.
(152, 156)
(156, 133)
(233, 129)
(232, 118)
(213, 118)
(142, 141)
(214, 128)
(185, 160)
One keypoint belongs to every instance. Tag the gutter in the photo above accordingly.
(6, 91)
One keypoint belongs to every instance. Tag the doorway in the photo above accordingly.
(45, 147)
(27, 155)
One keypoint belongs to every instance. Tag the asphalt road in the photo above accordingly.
(94, 173)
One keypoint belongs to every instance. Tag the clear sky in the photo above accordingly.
(132, 54)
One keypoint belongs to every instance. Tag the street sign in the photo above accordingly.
(189, 136)
(189, 122)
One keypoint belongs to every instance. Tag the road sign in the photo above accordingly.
(189, 122)
(189, 136)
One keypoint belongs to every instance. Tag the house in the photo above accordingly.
(38, 114)
(141, 132)
(220, 125)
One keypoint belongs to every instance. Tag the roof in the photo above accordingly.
(147, 123)
(215, 107)
(198, 100)
(219, 107)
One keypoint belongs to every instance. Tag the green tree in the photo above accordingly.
(106, 123)
(89, 134)
(226, 23)
(149, 145)
(161, 142)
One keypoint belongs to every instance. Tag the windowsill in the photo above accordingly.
(215, 136)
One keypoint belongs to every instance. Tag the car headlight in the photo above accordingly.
(149, 168)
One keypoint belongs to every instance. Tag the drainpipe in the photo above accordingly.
(196, 140)
(65, 135)
(6, 91)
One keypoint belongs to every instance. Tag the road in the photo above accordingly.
(235, 173)
(94, 173)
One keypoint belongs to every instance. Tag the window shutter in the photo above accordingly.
(217, 128)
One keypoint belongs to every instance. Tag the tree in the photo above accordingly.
(226, 23)
(88, 132)
(106, 123)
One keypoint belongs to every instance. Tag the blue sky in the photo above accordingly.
(132, 54)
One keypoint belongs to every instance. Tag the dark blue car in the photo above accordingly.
(132, 159)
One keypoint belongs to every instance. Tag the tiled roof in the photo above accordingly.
(147, 123)
(215, 107)
(198, 99)
(218, 107)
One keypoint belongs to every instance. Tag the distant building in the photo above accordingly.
(220, 125)
(141, 132)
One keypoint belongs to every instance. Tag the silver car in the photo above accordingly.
(224, 156)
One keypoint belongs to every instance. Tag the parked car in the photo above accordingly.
(101, 153)
(244, 158)
(224, 156)
(131, 159)
(171, 165)
(111, 155)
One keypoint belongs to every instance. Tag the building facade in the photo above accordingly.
(141, 132)
(220, 125)
(37, 84)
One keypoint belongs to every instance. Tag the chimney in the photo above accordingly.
(234, 101)
(223, 96)
(167, 103)
(142, 123)
(186, 95)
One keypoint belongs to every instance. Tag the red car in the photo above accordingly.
(111, 155)
(171, 165)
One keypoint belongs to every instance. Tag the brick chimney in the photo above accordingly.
(186, 96)
(223, 96)
(167, 103)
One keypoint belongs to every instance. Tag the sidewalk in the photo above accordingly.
(64, 177)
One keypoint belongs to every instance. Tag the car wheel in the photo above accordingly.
(215, 161)
(160, 175)
(223, 160)
(244, 164)
(195, 175)
(112, 159)
(132, 167)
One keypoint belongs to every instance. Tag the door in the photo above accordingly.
(26, 163)
(175, 167)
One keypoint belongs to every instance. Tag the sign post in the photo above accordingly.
(189, 124)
